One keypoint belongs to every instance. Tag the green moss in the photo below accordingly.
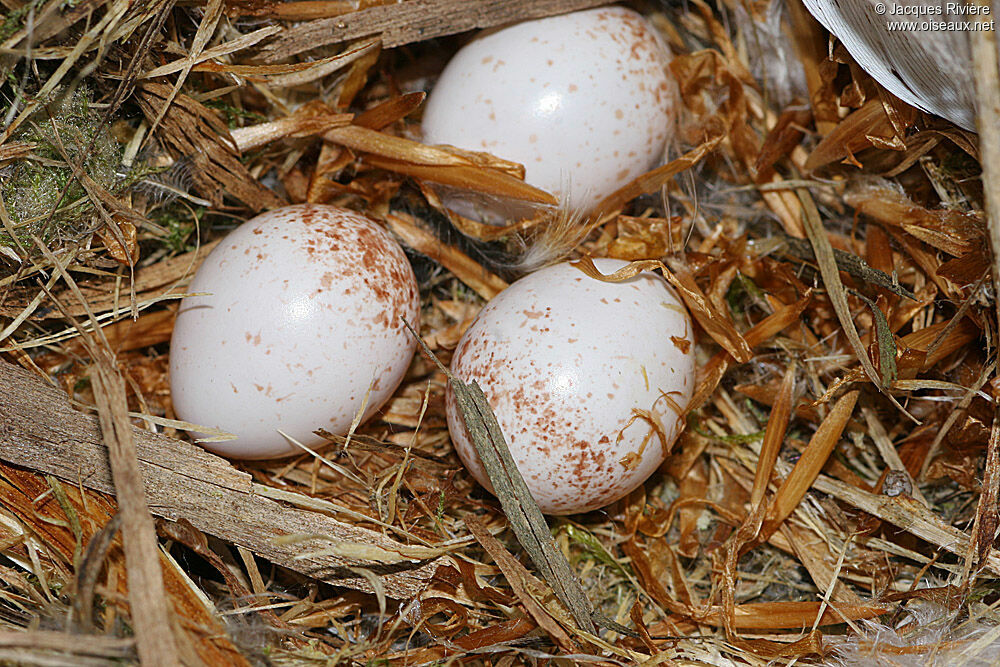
(234, 115)
(40, 192)
(180, 232)
(15, 19)
(593, 548)
(742, 292)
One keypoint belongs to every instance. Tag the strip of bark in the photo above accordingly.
(40, 430)
(414, 21)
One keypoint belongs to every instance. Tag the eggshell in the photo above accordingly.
(568, 364)
(304, 315)
(582, 100)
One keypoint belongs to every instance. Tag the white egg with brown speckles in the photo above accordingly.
(589, 381)
(301, 323)
(584, 101)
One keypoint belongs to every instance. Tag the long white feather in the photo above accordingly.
(930, 69)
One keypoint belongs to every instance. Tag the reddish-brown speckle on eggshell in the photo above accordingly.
(540, 381)
(313, 325)
(598, 74)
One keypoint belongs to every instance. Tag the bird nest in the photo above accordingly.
(833, 497)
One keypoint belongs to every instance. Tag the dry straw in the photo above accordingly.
(832, 499)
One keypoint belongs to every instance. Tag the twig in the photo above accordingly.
(151, 283)
(89, 570)
(77, 645)
(155, 642)
(984, 528)
(837, 294)
(985, 69)
(847, 262)
(41, 431)
(909, 514)
(206, 29)
(413, 21)
(511, 490)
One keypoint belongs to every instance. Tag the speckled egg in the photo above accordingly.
(588, 381)
(303, 316)
(584, 101)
